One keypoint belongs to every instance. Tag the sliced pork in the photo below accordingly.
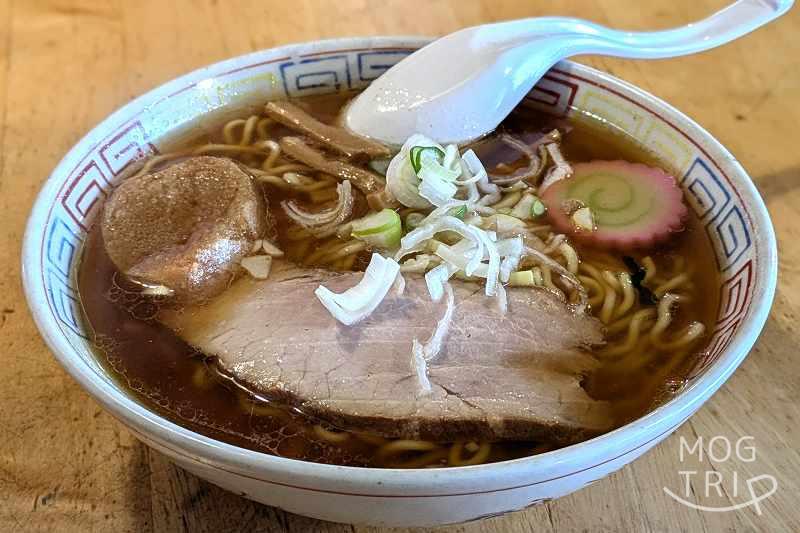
(512, 376)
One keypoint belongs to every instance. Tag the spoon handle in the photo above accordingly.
(732, 22)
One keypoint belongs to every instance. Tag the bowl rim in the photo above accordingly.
(149, 425)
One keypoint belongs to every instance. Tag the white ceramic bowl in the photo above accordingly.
(716, 187)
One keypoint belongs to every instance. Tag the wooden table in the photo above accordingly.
(64, 65)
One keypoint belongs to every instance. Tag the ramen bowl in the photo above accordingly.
(715, 186)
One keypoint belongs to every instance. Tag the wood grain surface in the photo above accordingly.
(66, 465)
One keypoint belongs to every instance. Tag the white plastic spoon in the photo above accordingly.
(463, 85)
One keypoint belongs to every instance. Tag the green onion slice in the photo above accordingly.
(380, 230)
(537, 208)
(418, 155)
(459, 212)
(413, 220)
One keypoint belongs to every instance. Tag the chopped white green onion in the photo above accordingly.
(538, 208)
(502, 223)
(583, 219)
(379, 230)
(526, 278)
(401, 178)
(523, 209)
(258, 266)
(529, 207)
(358, 302)
(413, 220)
(419, 263)
(436, 278)
(420, 155)
(424, 173)
(271, 249)
(459, 212)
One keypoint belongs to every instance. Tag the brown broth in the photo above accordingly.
(182, 385)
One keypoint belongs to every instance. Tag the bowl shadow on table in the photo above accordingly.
(781, 193)
(776, 185)
(182, 501)
(770, 350)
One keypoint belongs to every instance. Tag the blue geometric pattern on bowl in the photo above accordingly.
(332, 73)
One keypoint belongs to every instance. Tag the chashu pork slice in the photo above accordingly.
(512, 376)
